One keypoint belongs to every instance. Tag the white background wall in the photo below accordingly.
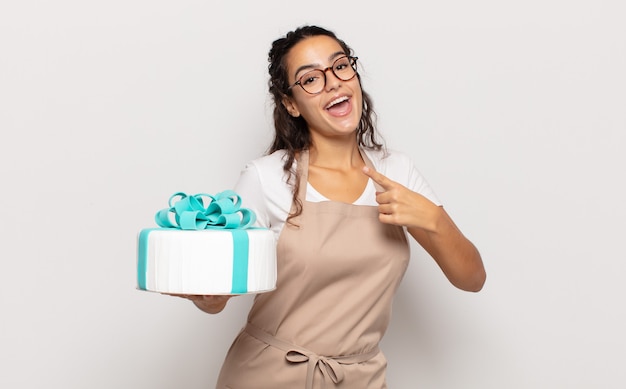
(514, 111)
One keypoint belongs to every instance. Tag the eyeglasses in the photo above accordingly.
(314, 82)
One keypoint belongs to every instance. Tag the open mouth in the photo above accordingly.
(339, 105)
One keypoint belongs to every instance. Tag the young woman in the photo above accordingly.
(341, 206)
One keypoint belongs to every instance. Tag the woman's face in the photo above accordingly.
(336, 111)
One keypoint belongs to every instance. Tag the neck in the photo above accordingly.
(340, 155)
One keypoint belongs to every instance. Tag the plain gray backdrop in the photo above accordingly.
(513, 111)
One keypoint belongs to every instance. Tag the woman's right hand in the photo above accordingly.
(208, 303)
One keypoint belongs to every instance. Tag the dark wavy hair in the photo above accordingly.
(292, 133)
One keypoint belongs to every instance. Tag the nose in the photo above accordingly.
(332, 81)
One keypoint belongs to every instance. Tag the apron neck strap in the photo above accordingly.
(302, 171)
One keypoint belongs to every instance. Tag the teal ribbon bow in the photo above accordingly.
(223, 211)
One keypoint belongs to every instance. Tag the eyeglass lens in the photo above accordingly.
(343, 68)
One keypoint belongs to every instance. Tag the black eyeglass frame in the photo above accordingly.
(352, 61)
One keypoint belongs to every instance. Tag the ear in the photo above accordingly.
(291, 106)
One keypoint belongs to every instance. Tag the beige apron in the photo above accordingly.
(338, 270)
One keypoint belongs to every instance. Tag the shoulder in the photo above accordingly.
(269, 166)
(390, 162)
(265, 175)
(400, 168)
(273, 159)
(263, 182)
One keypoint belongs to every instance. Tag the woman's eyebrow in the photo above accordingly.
(318, 66)
(335, 55)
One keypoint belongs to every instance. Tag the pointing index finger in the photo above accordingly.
(380, 179)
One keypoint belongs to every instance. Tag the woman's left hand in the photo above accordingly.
(208, 303)
(400, 206)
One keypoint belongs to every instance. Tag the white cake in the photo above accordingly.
(206, 261)
(206, 250)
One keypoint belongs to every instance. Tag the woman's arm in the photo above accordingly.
(457, 257)
(433, 229)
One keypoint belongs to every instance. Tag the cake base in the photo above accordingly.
(206, 262)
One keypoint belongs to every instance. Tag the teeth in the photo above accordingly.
(337, 101)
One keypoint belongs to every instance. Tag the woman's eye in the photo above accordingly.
(342, 64)
(308, 80)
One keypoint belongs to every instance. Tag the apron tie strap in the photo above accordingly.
(330, 367)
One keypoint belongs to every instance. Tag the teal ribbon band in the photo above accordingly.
(142, 258)
(241, 246)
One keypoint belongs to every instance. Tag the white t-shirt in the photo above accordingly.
(263, 187)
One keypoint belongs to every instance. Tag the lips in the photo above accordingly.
(339, 106)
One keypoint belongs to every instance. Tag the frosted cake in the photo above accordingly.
(206, 250)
